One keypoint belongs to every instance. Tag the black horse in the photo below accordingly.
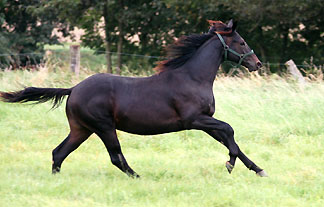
(179, 97)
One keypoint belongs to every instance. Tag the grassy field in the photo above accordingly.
(277, 123)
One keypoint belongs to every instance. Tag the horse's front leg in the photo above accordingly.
(246, 161)
(224, 133)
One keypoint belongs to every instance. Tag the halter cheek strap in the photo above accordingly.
(227, 49)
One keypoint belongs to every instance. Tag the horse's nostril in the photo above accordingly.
(259, 64)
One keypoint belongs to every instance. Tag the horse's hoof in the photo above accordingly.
(229, 167)
(262, 173)
(134, 176)
(56, 170)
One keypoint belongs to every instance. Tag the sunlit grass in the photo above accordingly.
(277, 123)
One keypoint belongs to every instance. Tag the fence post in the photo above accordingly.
(292, 68)
(75, 59)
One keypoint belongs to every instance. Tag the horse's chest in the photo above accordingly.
(207, 105)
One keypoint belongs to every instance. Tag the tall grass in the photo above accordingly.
(278, 124)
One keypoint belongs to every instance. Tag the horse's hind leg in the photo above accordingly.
(109, 138)
(72, 141)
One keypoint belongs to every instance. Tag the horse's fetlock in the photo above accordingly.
(115, 161)
(234, 153)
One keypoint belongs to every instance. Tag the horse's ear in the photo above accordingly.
(230, 23)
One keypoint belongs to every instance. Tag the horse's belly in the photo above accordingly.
(149, 125)
(149, 130)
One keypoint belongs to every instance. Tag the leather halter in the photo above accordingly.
(228, 49)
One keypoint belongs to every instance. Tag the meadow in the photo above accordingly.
(278, 124)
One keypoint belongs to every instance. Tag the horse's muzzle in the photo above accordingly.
(259, 65)
(256, 67)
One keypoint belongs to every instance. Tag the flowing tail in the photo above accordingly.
(37, 95)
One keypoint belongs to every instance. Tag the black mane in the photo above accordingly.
(182, 50)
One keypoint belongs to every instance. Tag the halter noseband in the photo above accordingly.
(227, 49)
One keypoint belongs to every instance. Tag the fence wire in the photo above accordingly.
(97, 53)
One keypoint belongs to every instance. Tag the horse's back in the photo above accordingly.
(136, 105)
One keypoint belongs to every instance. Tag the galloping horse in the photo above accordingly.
(179, 97)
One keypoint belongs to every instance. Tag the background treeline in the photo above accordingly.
(276, 30)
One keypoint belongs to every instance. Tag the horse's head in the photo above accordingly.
(236, 49)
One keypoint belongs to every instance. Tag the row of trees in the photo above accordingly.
(276, 30)
(23, 32)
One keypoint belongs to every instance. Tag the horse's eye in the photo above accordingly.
(242, 43)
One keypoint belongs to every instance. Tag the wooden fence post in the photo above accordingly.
(75, 59)
(293, 70)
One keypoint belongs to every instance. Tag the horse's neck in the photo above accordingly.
(203, 66)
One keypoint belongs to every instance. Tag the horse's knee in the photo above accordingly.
(228, 130)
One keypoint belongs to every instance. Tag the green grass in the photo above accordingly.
(277, 123)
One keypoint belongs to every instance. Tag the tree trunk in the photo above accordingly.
(259, 44)
(262, 53)
(108, 57)
(107, 38)
(119, 48)
(285, 33)
(120, 38)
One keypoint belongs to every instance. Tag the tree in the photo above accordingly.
(5, 60)
(24, 32)
(276, 30)
(95, 17)
(281, 30)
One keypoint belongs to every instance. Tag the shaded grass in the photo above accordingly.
(277, 123)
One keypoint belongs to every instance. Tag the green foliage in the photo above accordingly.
(277, 123)
(276, 30)
(23, 33)
(282, 30)
(147, 21)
